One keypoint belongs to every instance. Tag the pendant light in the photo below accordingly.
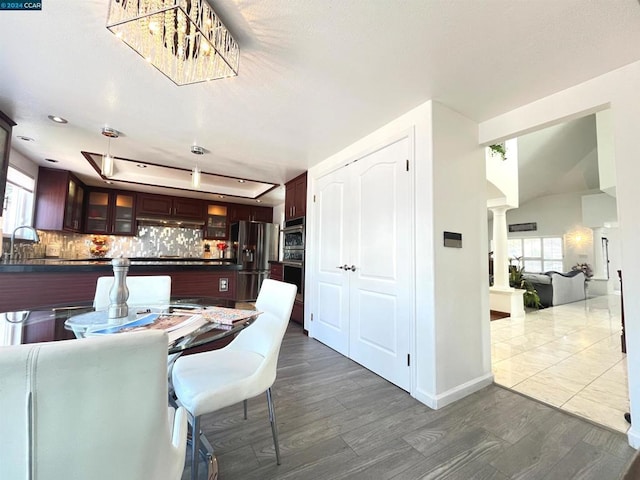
(107, 160)
(196, 173)
(195, 177)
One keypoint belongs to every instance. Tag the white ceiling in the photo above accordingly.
(315, 75)
(558, 159)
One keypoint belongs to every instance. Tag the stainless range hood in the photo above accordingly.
(170, 222)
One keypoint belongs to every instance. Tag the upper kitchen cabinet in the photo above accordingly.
(149, 204)
(59, 201)
(261, 214)
(188, 208)
(110, 212)
(295, 200)
(216, 222)
(6, 125)
(251, 213)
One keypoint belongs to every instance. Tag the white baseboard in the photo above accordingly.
(454, 394)
(634, 438)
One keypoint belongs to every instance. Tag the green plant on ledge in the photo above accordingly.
(498, 149)
(516, 280)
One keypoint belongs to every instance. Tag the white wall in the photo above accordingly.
(503, 174)
(554, 214)
(22, 163)
(278, 217)
(599, 210)
(606, 153)
(557, 216)
(617, 90)
(615, 257)
(461, 298)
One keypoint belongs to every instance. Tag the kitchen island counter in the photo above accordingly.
(48, 265)
(33, 283)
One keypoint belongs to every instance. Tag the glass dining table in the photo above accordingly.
(200, 328)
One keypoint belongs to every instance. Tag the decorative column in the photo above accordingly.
(500, 250)
(502, 297)
(119, 292)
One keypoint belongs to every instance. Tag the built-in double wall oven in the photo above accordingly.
(293, 237)
(293, 254)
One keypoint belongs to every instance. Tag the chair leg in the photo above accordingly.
(274, 427)
(195, 447)
(244, 403)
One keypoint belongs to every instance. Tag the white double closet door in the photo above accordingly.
(364, 267)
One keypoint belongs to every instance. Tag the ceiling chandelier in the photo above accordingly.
(184, 39)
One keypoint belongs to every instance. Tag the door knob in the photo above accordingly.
(353, 268)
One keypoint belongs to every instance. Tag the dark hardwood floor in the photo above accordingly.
(337, 420)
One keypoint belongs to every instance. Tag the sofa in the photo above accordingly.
(555, 288)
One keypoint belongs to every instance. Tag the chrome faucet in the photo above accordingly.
(36, 237)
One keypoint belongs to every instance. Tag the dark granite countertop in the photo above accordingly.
(45, 265)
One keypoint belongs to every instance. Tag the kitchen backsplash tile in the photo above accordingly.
(151, 241)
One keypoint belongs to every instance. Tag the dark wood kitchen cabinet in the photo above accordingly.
(216, 226)
(192, 208)
(152, 205)
(59, 201)
(295, 200)
(252, 213)
(275, 271)
(110, 212)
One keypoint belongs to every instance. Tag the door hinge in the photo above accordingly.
(407, 164)
(408, 359)
(312, 317)
(314, 199)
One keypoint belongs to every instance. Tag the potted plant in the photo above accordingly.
(516, 280)
(498, 149)
(584, 267)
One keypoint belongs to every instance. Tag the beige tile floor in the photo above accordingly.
(567, 356)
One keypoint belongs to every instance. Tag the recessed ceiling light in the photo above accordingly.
(240, 181)
(51, 160)
(141, 165)
(220, 196)
(109, 182)
(57, 119)
(259, 201)
(25, 139)
(197, 150)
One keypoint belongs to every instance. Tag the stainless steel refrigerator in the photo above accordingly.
(254, 245)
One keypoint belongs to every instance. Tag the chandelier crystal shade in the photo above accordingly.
(184, 39)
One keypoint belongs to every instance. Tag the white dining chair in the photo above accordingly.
(94, 408)
(206, 382)
(143, 290)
